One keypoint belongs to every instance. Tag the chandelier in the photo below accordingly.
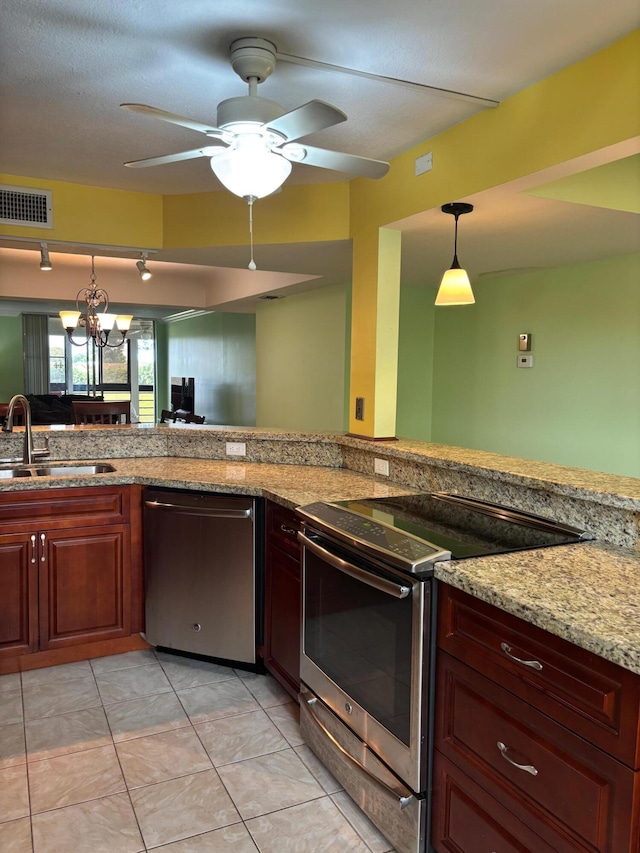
(96, 321)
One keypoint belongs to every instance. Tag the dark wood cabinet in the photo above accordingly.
(282, 597)
(521, 720)
(18, 594)
(70, 568)
(85, 593)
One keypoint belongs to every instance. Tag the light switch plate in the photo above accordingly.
(236, 448)
(525, 361)
(381, 466)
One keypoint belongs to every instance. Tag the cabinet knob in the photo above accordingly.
(534, 664)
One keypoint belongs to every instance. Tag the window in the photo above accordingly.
(126, 372)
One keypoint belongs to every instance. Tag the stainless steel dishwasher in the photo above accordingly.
(203, 590)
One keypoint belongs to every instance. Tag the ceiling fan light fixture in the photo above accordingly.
(455, 287)
(250, 170)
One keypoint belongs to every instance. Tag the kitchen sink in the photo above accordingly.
(10, 473)
(74, 469)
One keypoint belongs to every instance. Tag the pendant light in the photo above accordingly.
(455, 287)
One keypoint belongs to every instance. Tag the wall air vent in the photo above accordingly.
(25, 206)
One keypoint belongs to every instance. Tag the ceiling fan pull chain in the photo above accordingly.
(252, 263)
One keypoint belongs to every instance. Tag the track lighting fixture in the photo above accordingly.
(145, 274)
(45, 263)
(455, 287)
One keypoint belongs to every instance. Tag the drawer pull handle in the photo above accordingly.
(534, 664)
(43, 552)
(288, 530)
(33, 547)
(528, 768)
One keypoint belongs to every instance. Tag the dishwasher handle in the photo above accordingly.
(210, 512)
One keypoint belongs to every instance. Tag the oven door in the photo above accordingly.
(365, 641)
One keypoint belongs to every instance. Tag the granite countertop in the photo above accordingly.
(588, 593)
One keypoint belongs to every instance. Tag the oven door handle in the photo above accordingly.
(368, 578)
(403, 802)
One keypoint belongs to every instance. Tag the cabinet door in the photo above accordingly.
(84, 588)
(18, 594)
(282, 618)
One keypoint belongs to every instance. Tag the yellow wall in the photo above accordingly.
(83, 214)
(298, 214)
(583, 108)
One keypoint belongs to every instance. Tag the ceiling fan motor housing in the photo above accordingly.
(253, 58)
(247, 109)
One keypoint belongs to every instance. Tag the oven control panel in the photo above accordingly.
(408, 552)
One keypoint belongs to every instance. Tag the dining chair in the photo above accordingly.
(112, 412)
(194, 419)
(18, 413)
(167, 415)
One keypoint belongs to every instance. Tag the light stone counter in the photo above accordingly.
(588, 593)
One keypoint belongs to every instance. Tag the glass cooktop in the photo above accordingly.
(414, 531)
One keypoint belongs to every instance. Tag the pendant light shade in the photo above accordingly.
(250, 170)
(455, 287)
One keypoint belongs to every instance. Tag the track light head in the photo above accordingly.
(145, 274)
(45, 263)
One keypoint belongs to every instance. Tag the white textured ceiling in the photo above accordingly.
(66, 65)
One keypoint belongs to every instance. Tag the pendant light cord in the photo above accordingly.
(252, 263)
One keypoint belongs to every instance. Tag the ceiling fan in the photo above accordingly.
(255, 141)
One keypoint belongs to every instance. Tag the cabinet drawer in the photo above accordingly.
(282, 528)
(468, 820)
(562, 787)
(591, 696)
(47, 508)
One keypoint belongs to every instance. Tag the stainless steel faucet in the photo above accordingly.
(28, 451)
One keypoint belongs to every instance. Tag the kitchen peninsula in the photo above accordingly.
(574, 607)
(587, 593)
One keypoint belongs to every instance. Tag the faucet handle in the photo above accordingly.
(39, 452)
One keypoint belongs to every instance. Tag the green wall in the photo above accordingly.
(415, 363)
(11, 369)
(580, 403)
(301, 352)
(218, 350)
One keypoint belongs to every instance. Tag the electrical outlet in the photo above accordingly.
(381, 466)
(525, 361)
(359, 408)
(236, 448)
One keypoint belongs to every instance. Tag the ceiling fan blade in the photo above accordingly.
(172, 118)
(407, 84)
(337, 160)
(207, 151)
(316, 115)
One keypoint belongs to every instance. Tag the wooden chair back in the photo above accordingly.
(112, 412)
(18, 413)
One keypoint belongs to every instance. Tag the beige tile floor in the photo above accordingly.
(147, 751)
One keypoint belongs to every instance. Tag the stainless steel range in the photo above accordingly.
(368, 637)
